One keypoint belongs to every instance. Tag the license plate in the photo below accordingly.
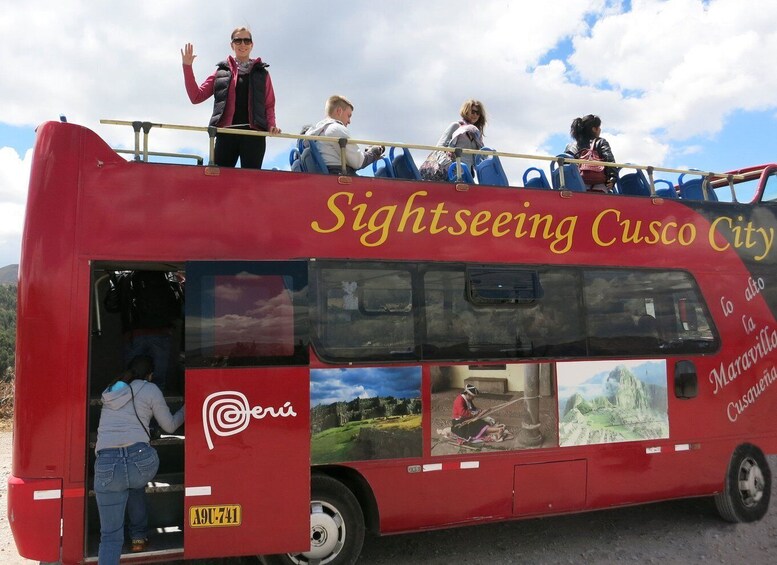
(215, 516)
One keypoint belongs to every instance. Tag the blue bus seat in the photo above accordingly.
(386, 170)
(489, 170)
(633, 184)
(466, 175)
(295, 160)
(692, 189)
(311, 159)
(403, 164)
(665, 192)
(572, 179)
(540, 181)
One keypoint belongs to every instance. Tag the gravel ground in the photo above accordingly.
(679, 532)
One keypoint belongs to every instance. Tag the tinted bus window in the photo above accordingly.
(645, 313)
(245, 314)
(544, 321)
(363, 312)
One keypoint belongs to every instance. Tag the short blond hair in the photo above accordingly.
(335, 102)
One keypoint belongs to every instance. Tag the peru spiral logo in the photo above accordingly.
(226, 413)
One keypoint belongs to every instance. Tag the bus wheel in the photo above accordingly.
(745, 497)
(336, 526)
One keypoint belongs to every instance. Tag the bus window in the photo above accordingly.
(363, 312)
(770, 189)
(243, 314)
(645, 313)
(502, 285)
(547, 324)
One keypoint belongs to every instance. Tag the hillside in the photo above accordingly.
(9, 274)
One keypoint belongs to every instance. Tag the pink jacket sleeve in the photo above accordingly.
(204, 91)
(269, 102)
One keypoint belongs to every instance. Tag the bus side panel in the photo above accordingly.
(453, 491)
(623, 474)
(34, 513)
(247, 461)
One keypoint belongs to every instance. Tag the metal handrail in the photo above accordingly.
(197, 158)
(212, 131)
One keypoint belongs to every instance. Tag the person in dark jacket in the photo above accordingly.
(586, 132)
(243, 98)
(125, 461)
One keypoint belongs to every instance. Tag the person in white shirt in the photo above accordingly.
(339, 111)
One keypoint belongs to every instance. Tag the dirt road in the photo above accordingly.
(681, 532)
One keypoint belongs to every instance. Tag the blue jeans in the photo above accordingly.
(158, 347)
(120, 477)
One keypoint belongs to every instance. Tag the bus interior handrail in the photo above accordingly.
(707, 176)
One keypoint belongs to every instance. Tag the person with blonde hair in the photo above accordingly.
(338, 111)
(243, 98)
(466, 133)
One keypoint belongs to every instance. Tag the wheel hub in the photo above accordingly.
(326, 533)
(751, 482)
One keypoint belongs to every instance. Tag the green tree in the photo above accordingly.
(7, 330)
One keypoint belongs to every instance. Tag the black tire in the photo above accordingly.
(336, 527)
(748, 487)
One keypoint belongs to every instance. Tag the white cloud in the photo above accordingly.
(14, 172)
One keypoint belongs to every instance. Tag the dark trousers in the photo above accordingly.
(250, 149)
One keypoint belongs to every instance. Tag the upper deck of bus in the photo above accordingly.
(202, 211)
(755, 183)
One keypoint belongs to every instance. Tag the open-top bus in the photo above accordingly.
(625, 344)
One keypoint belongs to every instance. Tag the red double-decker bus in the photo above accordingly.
(618, 350)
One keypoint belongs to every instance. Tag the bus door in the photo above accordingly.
(247, 393)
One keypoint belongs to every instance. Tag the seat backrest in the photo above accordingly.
(311, 159)
(572, 179)
(466, 175)
(633, 184)
(692, 189)
(295, 163)
(404, 166)
(539, 181)
(383, 168)
(666, 190)
(489, 170)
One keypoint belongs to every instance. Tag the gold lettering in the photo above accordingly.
(409, 211)
(480, 218)
(459, 217)
(376, 226)
(336, 212)
(597, 223)
(501, 220)
(564, 234)
(713, 230)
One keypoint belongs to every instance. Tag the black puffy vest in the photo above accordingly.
(256, 94)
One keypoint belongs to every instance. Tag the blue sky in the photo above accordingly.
(343, 385)
(678, 83)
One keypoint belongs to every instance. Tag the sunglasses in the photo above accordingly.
(475, 111)
(243, 40)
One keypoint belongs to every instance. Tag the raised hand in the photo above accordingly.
(187, 54)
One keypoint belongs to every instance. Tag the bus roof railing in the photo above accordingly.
(561, 160)
(197, 158)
